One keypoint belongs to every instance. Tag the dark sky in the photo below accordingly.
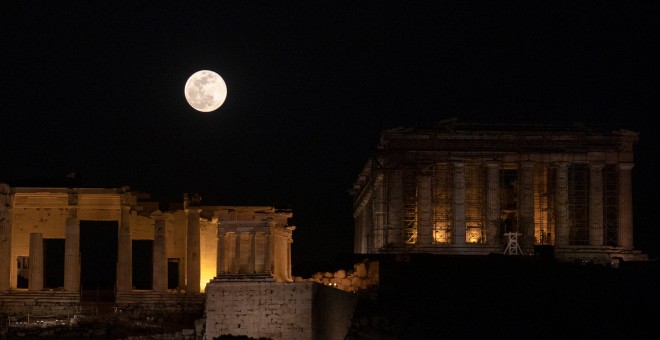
(97, 88)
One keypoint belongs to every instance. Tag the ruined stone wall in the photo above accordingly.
(275, 310)
(19, 304)
(180, 308)
(363, 275)
(49, 222)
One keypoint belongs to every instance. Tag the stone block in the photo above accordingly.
(360, 270)
(340, 274)
(346, 282)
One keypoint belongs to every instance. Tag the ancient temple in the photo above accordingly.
(458, 188)
(50, 237)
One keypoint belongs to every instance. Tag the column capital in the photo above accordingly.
(562, 164)
(458, 164)
(158, 215)
(527, 164)
(493, 164)
(193, 210)
(626, 166)
(596, 165)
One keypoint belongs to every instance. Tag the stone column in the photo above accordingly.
(192, 253)
(125, 252)
(36, 276)
(424, 210)
(220, 264)
(160, 255)
(72, 252)
(625, 206)
(379, 229)
(237, 254)
(395, 208)
(492, 202)
(458, 199)
(268, 252)
(5, 237)
(289, 276)
(596, 237)
(252, 258)
(526, 203)
(561, 208)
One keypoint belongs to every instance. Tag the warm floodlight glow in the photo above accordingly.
(205, 91)
(473, 234)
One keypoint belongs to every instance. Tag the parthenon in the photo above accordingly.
(457, 188)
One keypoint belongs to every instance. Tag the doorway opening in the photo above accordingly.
(143, 264)
(53, 263)
(173, 274)
(98, 260)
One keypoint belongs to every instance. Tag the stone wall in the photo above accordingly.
(301, 310)
(363, 275)
(166, 307)
(19, 304)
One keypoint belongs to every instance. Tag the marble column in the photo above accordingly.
(458, 199)
(268, 252)
(220, 266)
(424, 210)
(72, 252)
(160, 255)
(237, 253)
(526, 203)
(36, 276)
(193, 251)
(125, 252)
(561, 206)
(492, 202)
(5, 237)
(289, 273)
(625, 206)
(252, 258)
(395, 208)
(596, 237)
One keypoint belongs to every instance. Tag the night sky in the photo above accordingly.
(97, 88)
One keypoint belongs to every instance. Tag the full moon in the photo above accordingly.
(205, 91)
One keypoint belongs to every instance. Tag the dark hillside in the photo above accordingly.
(466, 297)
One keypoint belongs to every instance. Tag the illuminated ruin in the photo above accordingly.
(458, 188)
(228, 264)
(189, 245)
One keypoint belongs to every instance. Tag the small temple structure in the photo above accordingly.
(458, 188)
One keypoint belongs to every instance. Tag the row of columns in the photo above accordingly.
(124, 258)
(232, 264)
(282, 268)
(525, 204)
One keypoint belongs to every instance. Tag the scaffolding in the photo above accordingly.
(543, 205)
(409, 207)
(611, 205)
(475, 203)
(578, 204)
(442, 203)
(389, 222)
(512, 246)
